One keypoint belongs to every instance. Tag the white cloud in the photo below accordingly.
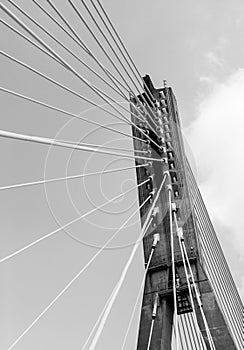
(213, 59)
(209, 80)
(217, 141)
(214, 62)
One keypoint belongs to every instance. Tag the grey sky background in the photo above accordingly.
(197, 47)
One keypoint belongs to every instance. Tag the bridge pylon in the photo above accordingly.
(190, 300)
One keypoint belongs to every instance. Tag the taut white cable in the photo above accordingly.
(209, 336)
(68, 113)
(40, 182)
(63, 46)
(69, 223)
(33, 70)
(111, 302)
(79, 42)
(154, 313)
(118, 90)
(147, 91)
(173, 267)
(106, 305)
(138, 295)
(180, 234)
(70, 283)
(80, 147)
(79, 59)
(119, 60)
(96, 90)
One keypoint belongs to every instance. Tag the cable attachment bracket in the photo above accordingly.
(155, 211)
(156, 239)
(155, 306)
(173, 207)
(166, 172)
(180, 234)
(169, 188)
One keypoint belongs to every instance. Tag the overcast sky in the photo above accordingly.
(198, 47)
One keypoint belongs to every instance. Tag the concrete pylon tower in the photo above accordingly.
(196, 268)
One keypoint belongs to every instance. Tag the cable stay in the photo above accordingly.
(137, 244)
(192, 302)
(192, 326)
(63, 45)
(229, 301)
(114, 40)
(75, 277)
(111, 295)
(79, 59)
(104, 147)
(67, 24)
(180, 335)
(59, 85)
(147, 265)
(71, 69)
(99, 44)
(144, 87)
(96, 40)
(154, 313)
(185, 331)
(175, 322)
(67, 66)
(180, 234)
(16, 94)
(187, 265)
(119, 60)
(87, 50)
(71, 222)
(209, 336)
(118, 90)
(72, 177)
(37, 38)
(80, 146)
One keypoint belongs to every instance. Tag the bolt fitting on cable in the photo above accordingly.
(160, 122)
(142, 124)
(180, 234)
(166, 172)
(173, 207)
(155, 211)
(160, 129)
(169, 188)
(155, 306)
(146, 132)
(161, 139)
(165, 160)
(156, 239)
(154, 225)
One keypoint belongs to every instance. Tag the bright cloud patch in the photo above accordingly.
(217, 141)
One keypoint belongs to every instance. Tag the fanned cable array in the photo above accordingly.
(91, 53)
(82, 56)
